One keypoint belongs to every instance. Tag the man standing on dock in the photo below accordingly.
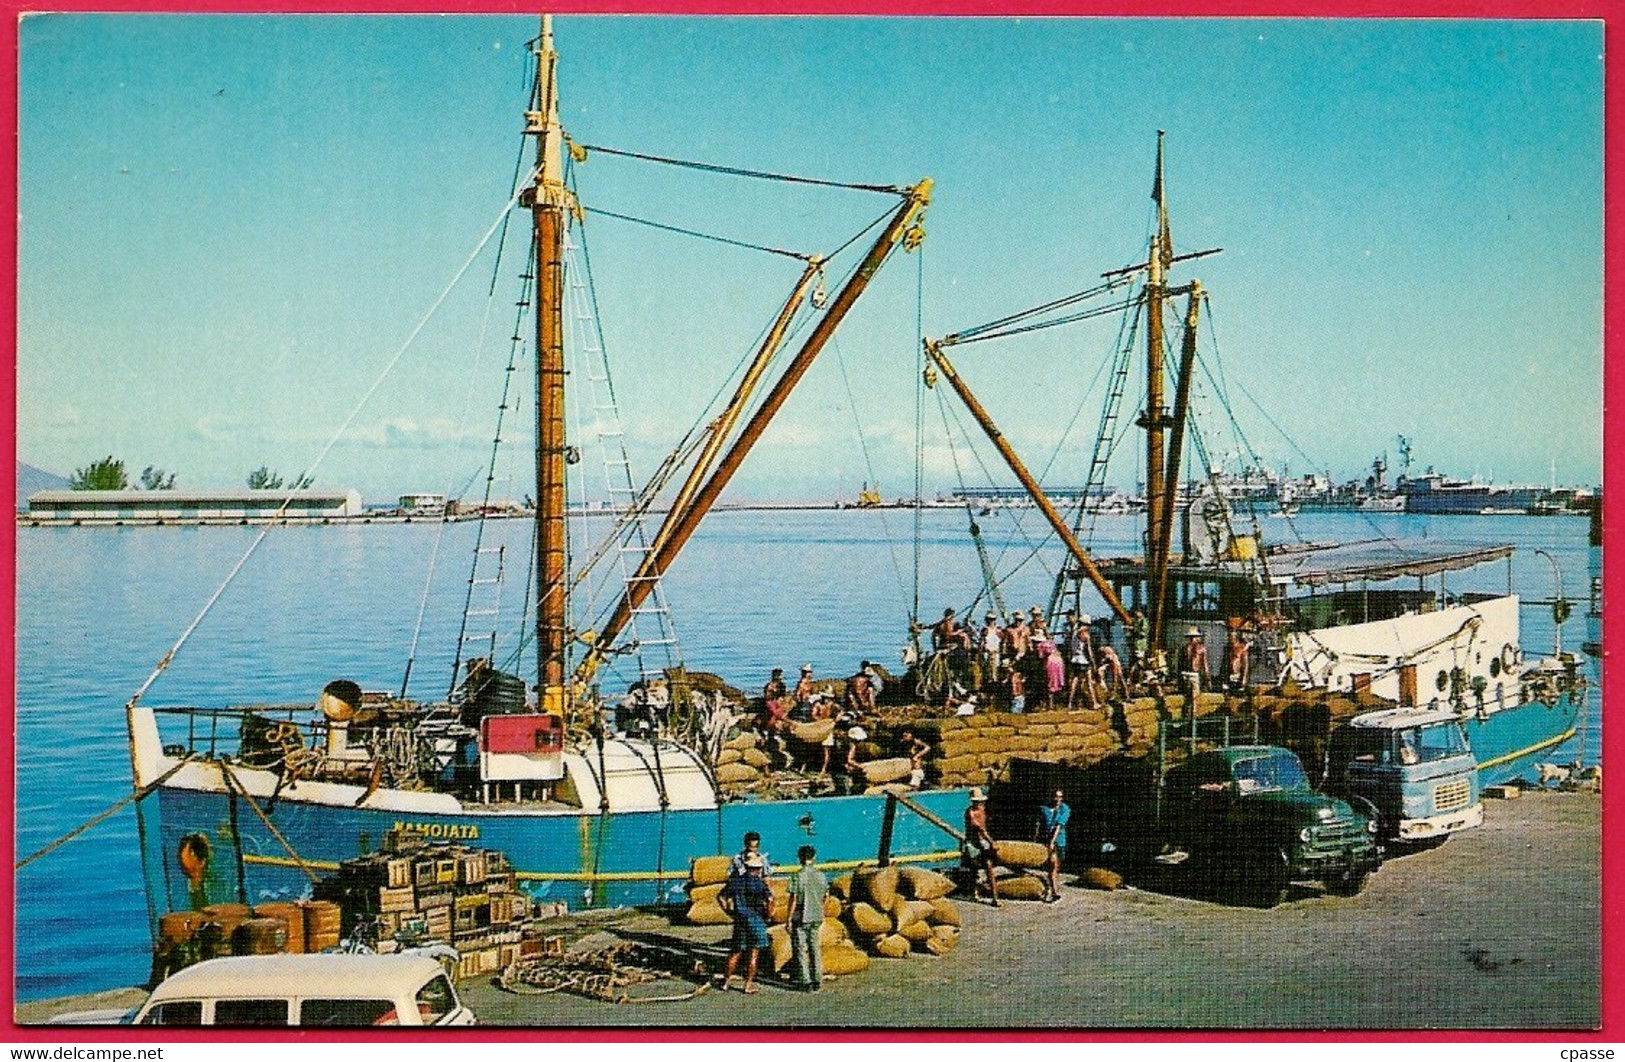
(1052, 820)
(979, 849)
(749, 902)
(808, 887)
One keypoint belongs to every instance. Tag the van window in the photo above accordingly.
(185, 1012)
(251, 1012)
(352, 1012)
(436, 1000)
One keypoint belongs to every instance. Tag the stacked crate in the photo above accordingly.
(465, 897)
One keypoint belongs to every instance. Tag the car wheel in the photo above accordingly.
(1274, 879)
(1346, 884)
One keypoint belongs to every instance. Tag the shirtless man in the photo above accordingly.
(1193, 664)
(916, 751)
(979, 850)
(1236, 663)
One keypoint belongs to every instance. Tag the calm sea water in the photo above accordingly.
(97, 608)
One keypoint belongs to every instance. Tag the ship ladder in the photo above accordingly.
(650, 626)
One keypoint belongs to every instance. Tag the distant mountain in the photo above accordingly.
(31, 479)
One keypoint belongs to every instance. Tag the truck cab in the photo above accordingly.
(1248, 816)
(1414, 766)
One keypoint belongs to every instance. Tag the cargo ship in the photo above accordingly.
(599, 813)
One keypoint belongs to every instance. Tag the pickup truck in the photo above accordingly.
(1247, 818)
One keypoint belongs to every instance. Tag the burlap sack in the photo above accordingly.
(879, 772)
(895, 946)
(831, 933)
(707, 914)
(841, 887)
(813, 733)
(744, 740)
(780, 888)
(866, 918)
(845, 959)
(906, 912)
(704, 893)
(1098, 878)
(1025, 854)
(916, 932)
(737, 774)
(945, 912)
(920, 883)
(757, 759)
(709, 870)
(876, 885)
(943, 939)
(832, 907)
(729, 756)
(780, 940)
(1022, 887)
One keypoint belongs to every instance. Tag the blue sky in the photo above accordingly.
(230, 224)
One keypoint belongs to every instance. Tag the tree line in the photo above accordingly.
(109, 473)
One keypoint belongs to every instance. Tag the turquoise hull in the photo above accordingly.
(1508, 742)
(584, 860)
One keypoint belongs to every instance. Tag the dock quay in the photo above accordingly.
(1497, 929)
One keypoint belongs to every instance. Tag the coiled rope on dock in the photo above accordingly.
(602, 974)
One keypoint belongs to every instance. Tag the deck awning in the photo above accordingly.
(1379, 559)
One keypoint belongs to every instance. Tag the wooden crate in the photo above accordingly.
(495, 862)
(392, 900)
(507, 955)
(468, 966)
(500, 881)
(437, 923)
(489, 960)
(398, 872)
(470, 868)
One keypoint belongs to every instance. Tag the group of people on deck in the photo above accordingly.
(1028, 663)
(846, 745)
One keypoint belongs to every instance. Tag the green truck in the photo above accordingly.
(1247, 820)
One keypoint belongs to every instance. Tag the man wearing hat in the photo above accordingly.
(749, 902)
(804, 694)
(978, 849)
(852, 778)
(1193, 665)
(989, 647)
(1081, 661)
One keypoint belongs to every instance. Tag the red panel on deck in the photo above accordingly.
(522, 734)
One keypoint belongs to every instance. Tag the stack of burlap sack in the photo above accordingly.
(742, 763)
(890, 911)
(895, 910)
(971, 749)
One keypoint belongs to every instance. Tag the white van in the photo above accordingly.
(327, 989)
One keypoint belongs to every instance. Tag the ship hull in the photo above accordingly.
(1508, 742)
(618, 858)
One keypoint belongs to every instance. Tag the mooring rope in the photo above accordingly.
(139, 794)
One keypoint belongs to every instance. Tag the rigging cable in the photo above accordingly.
(868, 463)
(169, 657)
(734, 171)
(699, 235)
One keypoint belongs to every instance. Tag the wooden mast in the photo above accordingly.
(934, 349)
(1155, 419)
(550, 204)
(680, 526)
(1182, 397)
